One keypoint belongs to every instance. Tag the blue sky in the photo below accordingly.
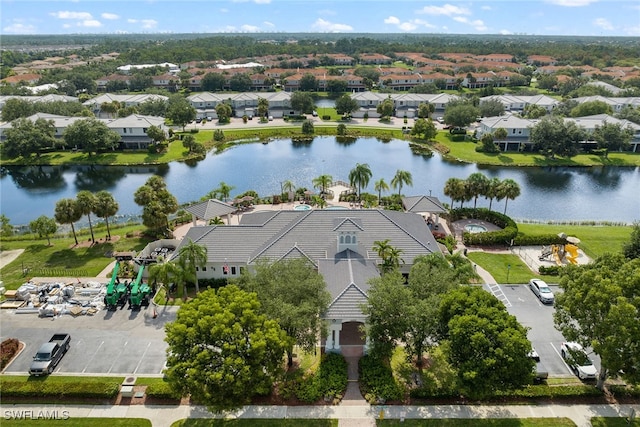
(539, 17)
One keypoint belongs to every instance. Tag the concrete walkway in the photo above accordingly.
(363, 415)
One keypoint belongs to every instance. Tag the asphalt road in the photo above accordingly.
(530, 312)
(122, 342)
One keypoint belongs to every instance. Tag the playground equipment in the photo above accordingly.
(571, 253)
(117, 291)
(139, 294)
(559, 253)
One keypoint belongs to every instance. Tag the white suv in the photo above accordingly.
(577, 359)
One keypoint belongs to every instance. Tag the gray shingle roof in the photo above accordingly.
(210, 209)
(418, 204)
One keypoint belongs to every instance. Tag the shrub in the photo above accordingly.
(376, 380)
(501, 237)
(218, 135)
(552, 270)
(544, 239)
(8, 349)
(194, 130)
(326, 117)
(162, 390)
(329, 381)
(57, 391)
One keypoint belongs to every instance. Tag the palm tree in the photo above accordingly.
(105, 206)
(492, 190)
(509, 189)
(401, 178)
(390, 255)
(193, 255)
(477, 185)
(319, 201)
(67, 212)
(380, 186)
(360, 176)
(322, 182)
(453, 188)
(163, 272)
(224, 190)
(86, 202)
(288, 187)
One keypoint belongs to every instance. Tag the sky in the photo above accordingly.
(534, 17)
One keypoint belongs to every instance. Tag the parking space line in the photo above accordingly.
(142, 357)
(115, 359)
(561, 358)
(497, 292)
(92, 357)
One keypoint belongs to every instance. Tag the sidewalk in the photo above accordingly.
(162, 416)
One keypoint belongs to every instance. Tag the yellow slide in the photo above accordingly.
(556, 254)
(572, 253)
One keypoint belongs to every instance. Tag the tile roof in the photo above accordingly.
(210, 209)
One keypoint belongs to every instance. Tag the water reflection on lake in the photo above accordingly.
(547, 193)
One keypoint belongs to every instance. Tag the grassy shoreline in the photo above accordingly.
(444, 143)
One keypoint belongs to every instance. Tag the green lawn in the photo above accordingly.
(191, 422)
(63, 257)
(79, 422)
(498, 266)
(466, 151)
(594, 240)
(613, 422)
(494, 422)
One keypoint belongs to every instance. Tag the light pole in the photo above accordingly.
(508, 269)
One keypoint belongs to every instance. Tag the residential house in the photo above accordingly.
(517, 103)
(94, 104)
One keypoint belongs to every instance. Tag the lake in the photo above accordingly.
(547, 193)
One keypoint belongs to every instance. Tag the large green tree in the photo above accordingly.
(91, 135)
(294, 294)
(491, 108)
(26, 138)
(68, 212)
(193, 256)
(157, 203)
(612, 137)
(15, 108)
(213, 82)
(460, 114)
(44, 226)
(359, 177)
(477, 184)
(222, 350)
(599, 308)
(553, 136)
(508, 190)
(346, 105)
(591, 108)
(179, 111)
(302, 102)
(631, 249)
(224, 112)
(386, 108)
(426, 128)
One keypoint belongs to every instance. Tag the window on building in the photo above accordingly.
(233, 270)
(144, 130)
(204, 268)
(124, 130)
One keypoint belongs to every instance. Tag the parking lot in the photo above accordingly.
(531, 313)
(121, 342)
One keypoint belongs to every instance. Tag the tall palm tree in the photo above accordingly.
(105, 207)
(163, 272)
(477, 184)
(509, 189)
(380, 186)
(288, 187)
(492, 190)
(390, 255)
(322, 182)
(401, 178)
(452, 189)
(224, 190)
(360, 176)
(86, 202)
(67, 212)
(193, 255)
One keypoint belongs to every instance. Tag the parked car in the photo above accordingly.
(542, 291)
(49, 355)
(577, 359)
(540, 372)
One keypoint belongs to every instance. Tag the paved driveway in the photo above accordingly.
(122, 342)
(531, 313)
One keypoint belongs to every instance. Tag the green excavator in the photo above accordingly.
(117, 291)
(139, 292)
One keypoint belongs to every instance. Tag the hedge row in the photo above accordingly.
(57, 390)
(551, 392)
(162, 391)
(544, 239)
(377, 382)
(501, 237)
(328, 382)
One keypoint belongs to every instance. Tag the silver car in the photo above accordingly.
(542, 291)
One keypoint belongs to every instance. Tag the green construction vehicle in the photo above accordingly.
(140, 292)
(117, 291)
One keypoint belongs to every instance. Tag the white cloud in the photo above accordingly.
(19, 28)
(249, 28)
(329, 27)
(447, 10)
(486, 7)
(462, 19)
(478, 25)
(392, 20)
(407, 26)
(91, 23)
(571, 3)
(505, 32)
(269, 24)
(107, 15)
(65, 14)
(603, 23)
(148, 24)
(132, 21)
(262, 1)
